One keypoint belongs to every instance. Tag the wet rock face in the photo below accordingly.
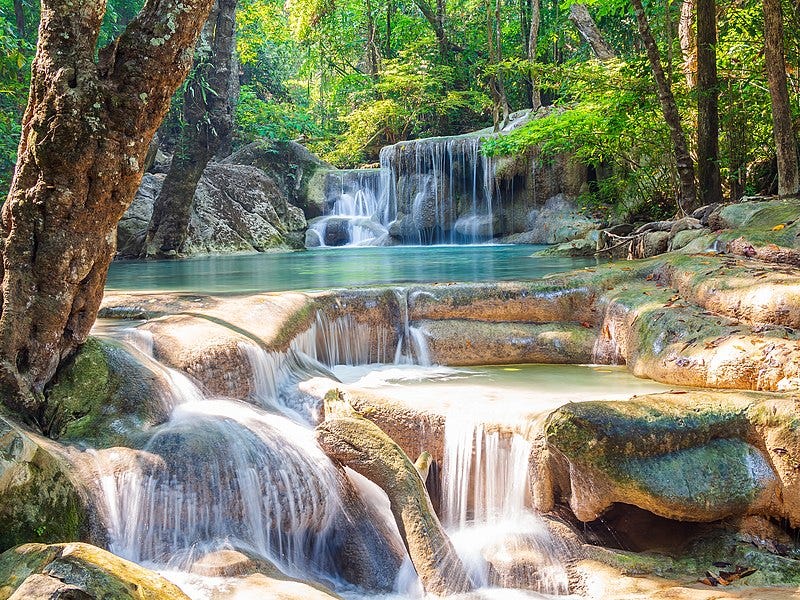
(38, 499)
(237, 208)
(77, 571)
(299, 174)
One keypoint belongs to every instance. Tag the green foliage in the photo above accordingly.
(272, 120)
(304, 72)
(412, 97)
(610, 120)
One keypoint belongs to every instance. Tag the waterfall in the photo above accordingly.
(222, 473)
(412, 344)
(429, 191)
(486, 506)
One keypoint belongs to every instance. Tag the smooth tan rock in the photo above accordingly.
(362, 446)
(461, 342)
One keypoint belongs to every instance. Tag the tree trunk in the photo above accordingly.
(389, 13)
(494, 91)
(501, 87)
(371, 52)
(685, 164)
(436, 21)
(688, 43)
(208, 116)
(707, 104)
(85, 135)
(533, 44)
(588, 30)
(19, 16)
(785, 142)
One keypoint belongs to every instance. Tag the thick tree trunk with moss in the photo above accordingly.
(707, 104)
(680, 148)
(208, 115)
(85, 136)
(785, 142)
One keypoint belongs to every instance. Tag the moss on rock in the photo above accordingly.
(104, 397)
(84, 570)
(38, 500)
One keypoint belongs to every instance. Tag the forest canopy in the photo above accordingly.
(349, 76)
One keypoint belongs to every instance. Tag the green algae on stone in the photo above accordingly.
(103, 397)
(38, 500)
(80, 567)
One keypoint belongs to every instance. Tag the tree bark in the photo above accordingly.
(708, 175)
(85, 135)
(501, 87)
(680, 149)
(389, 14)
(688, 43)
(785, 142)
(208, 116)
(436, 21)
(371, 52)
(588, 30)
(533, 45)
(19, 17)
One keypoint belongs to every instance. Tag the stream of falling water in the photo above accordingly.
(486, 506)
(223, 473)
(430, 191)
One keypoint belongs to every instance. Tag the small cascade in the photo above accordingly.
(328, 342)
(412, 345)
(486, 506)
(352, 210)
(428, 191)
(221, 470)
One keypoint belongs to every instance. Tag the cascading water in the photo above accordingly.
(224, 473)
(431, 191)
(412, 345)
(486, 505)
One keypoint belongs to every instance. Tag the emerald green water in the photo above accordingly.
(337, 267)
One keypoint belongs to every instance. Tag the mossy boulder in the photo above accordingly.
(691, 456)
(299, 174)
(574, 249)
(754, 214)
(78, 571)
(105, 397)
(39, 501)
(774, 574)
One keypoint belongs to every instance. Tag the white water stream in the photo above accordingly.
(430, 191)
(224, 473)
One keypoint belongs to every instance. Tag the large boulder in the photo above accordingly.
(557, 222)
(696, 456)
(77, 571)
(237, 208)
(104, 396)
(297, 172)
